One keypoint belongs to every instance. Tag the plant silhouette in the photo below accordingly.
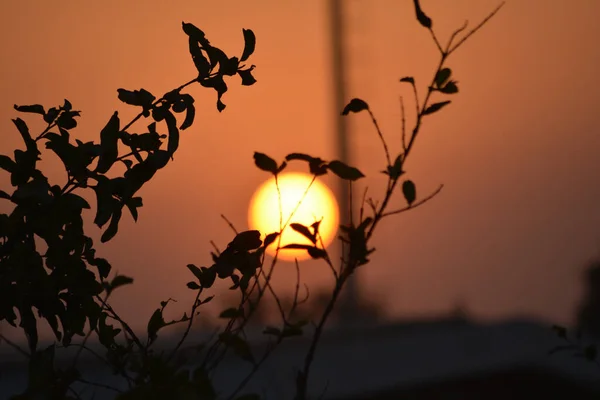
(50, 272)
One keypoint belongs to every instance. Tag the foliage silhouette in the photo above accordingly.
(68, 286)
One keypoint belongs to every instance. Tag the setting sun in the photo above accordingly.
(319, 204)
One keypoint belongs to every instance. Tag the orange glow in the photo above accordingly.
(316, 204)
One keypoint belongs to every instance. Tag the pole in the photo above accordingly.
(349, 298)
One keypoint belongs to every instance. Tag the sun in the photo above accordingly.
(318, 204)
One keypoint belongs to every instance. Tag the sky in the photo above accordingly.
(509, 235)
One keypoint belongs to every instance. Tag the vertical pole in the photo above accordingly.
(348, 303)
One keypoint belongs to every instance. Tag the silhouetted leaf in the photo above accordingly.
(195, 270)
(435, 107)
(200, 62)
(442, 76)
(193, 285)
(247, 77)
(173, 142)
(190, 111)
(141, 98)
(118, 281)
(51, 115)
(155, 323)
(449, 88)
(423, 19)
(232, 312)
(34, 108)
(249, 44)
(113, 227)
(246, 241)
(24, 131)
(408, 79)
(194, 33)
(395, 171)
(109, 137)
(344, 171)
(355, 105)
(409, 191)
(217, 83)
(270, 238)
(103, 266)
(304, 231)
(6, 163)
(133, 204)
(265, 162)
(316, 253)
(208, 277)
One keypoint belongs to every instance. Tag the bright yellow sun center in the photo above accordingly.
(318, 204)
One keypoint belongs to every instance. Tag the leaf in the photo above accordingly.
(344, 171)
(200, 62)
(155, 323)
(246, 241)
(24, 131)
(409, 191)
(249, 44)
(316, 253)
(449, 88)
(435, 107)
(103, 266)
(133, 204)
(265, 163)
(408, 79)
(141, 98)
(173, 141)
(270, 238)
(395, 170)
(247, 77)
(6, 163)
(355, 105)
(230, 313)
(190, 111)
(196, 271)
(193, 285)
(113, 227)
(35, 109)
(118, 281)
(423, 19)
(217, 83)
(304, 231)
(208, 277)
(442, 76)
(109, 137)
(194, 33)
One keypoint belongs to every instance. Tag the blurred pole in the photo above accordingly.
(349, 297)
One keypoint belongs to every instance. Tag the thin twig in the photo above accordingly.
(403, 125)
(230, 224)
(385, 147)
(472, 32)
(414, 205)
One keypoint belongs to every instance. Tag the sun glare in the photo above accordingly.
(319, 204)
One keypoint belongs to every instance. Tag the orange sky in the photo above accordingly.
(517, 150)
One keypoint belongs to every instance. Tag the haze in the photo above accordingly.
(517, 151)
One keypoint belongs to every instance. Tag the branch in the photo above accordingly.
(414, 205)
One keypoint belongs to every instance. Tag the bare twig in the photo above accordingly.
(472, 32)
(230, 224)
(15, 346)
